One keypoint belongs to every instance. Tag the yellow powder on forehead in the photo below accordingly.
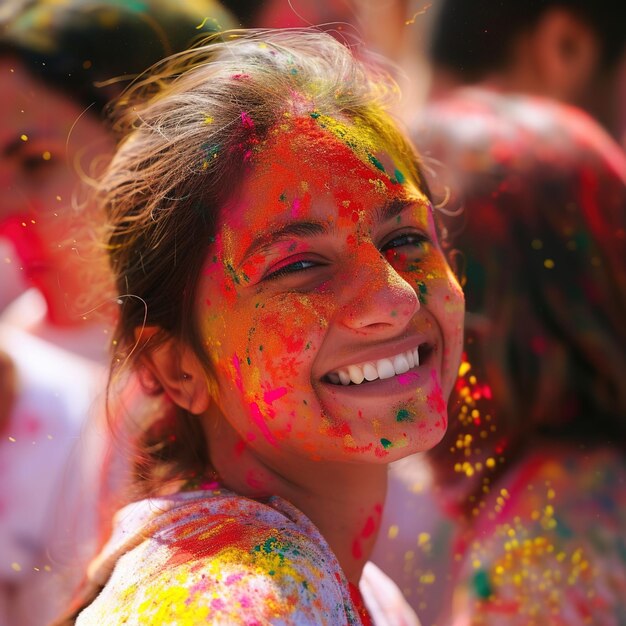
(358, 135)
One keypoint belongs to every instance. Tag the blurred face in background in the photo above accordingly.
(47, 144)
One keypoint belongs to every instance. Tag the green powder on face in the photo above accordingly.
(376, 163)
(403, 416)
(386, 443)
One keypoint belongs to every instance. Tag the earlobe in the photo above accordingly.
(177, 369)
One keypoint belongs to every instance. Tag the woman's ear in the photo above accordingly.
(177, 369)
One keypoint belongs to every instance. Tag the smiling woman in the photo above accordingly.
(281, 283)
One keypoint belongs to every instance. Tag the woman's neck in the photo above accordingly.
(344, 500)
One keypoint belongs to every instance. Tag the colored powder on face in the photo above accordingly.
(274, 394)
(376, 163)
(407, 379)
(435, 398)
(422, 291)
(295, 207)
(399, 176)
(259, 422)
(403, 415)
(237, 372)
(386, 443)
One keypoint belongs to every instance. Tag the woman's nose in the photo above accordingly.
(377, 298)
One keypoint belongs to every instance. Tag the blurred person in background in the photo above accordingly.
(532, 473)
(535, 193)
(569, 50)
(59, 65)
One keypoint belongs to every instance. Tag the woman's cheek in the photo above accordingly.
(285, 335)
(270, 370)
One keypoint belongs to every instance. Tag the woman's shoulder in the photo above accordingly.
(549, 542)
(216, 558)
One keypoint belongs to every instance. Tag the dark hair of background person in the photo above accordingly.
(473, 38)
(81, 47)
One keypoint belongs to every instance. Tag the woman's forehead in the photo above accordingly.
(304, 171)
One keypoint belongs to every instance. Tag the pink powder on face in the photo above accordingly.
(258, 420)
(435, 397)
(237, 367)
(274, 394)
(408, 378)
(295, 207)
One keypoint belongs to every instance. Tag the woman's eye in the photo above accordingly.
(406, 240)
(291, 268)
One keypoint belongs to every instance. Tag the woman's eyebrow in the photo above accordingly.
(393, 207)
(292, 229)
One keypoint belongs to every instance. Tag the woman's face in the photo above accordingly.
(324, 280)
(44, 140)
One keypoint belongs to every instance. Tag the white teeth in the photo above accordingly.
(383, 368)
(400, 364)
(370, 372)
(356, 374)
(410, 358)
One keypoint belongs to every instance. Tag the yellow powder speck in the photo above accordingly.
(427, 578)
(16, 567)
(476, 563)
(24, 137)
(46, 156)
(393, 531)
(548, 264)
(208, 119)
(490, 462)
(464, 368)
(423, 539)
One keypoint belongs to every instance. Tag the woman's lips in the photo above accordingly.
(380, 369)
(397, 384)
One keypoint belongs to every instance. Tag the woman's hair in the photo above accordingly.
(193, 125)
(83, 47)
(544, 244)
